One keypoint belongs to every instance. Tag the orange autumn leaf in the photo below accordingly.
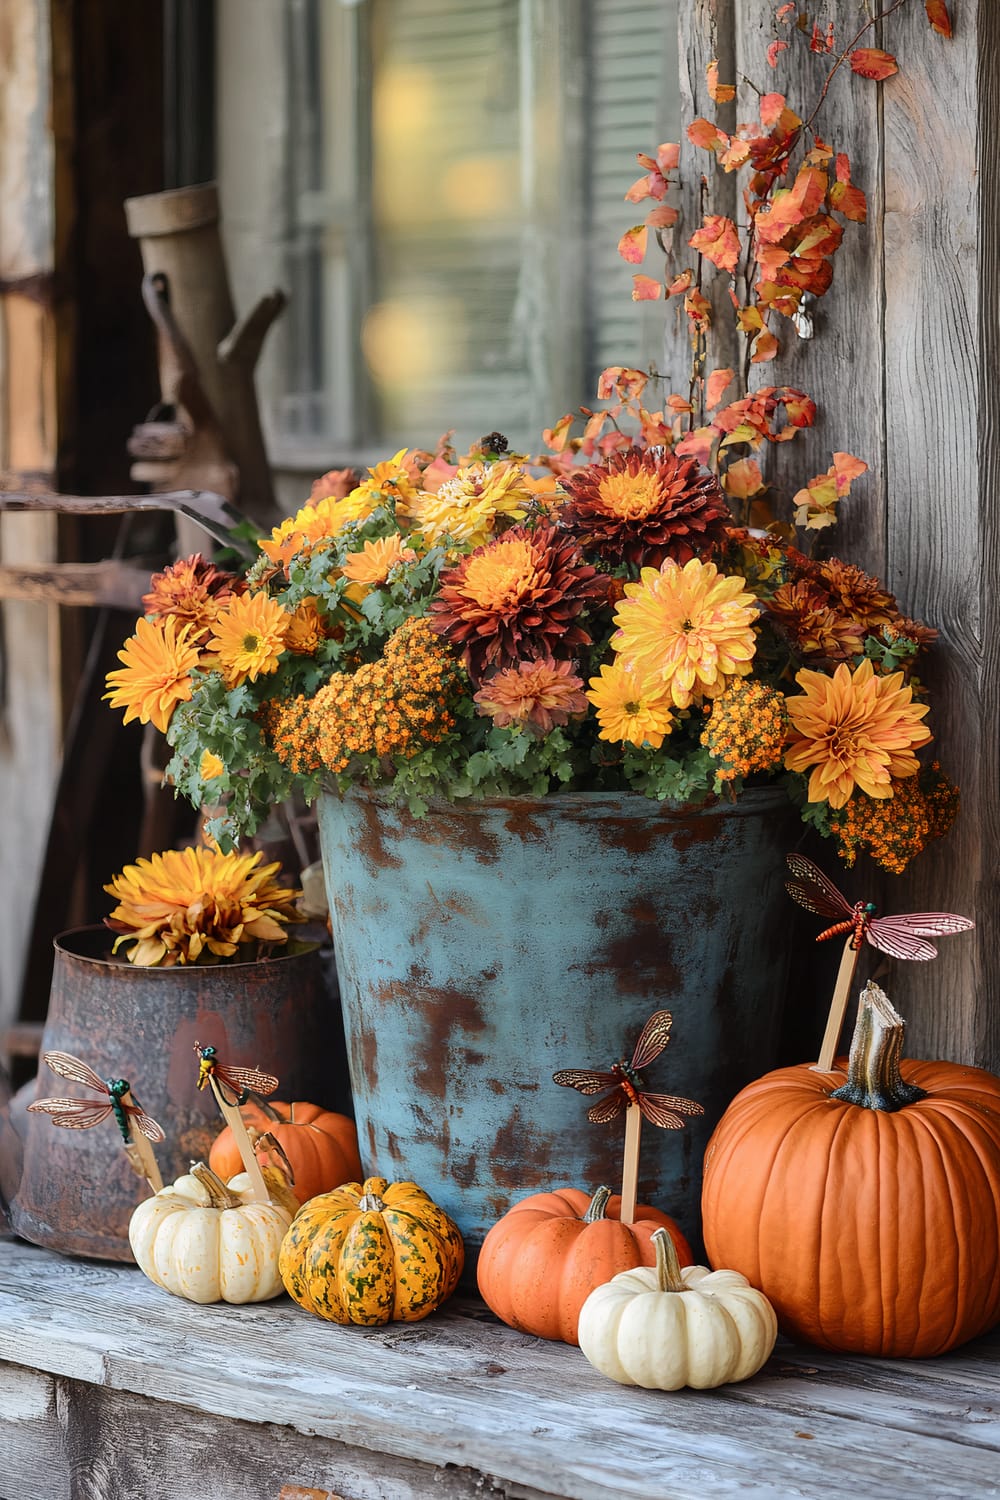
(709, 137)
(872, 62)
(718, 241)
(632, 245)
(749, 319)
(645, 289)
(662, 217)
(557, 437)
(937, 14)
(820, 41)
(680, 283)
(679, 405)
(773, 51)
(735, 154)
(722, 93)
(771, 106)
(697, 444)
(783, 11)
(624, 379)
(698, 310)
(846, 468)
(790, 206)
(668, 157)
(716, 385)
(593, 429)
(816, 505)
(844, 197)
(765, 347)
(655, 432)
(743, 479)
(783, 299)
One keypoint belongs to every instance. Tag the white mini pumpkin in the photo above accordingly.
(664, 1328)
(204, 1241)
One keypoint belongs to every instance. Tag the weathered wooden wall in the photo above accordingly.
(903, 368)
(29, 632)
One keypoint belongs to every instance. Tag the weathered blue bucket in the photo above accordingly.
(486, 945)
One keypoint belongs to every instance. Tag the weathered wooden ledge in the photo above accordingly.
(113, 1390)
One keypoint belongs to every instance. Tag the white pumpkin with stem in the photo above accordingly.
(207, 1242)
(664, 1328)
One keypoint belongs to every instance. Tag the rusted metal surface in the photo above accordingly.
(77, 1191)
(489, 944)
(211, 510)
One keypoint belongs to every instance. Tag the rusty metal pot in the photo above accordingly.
(77, 1190)
(491, 942)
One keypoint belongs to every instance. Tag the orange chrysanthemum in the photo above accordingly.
(191, 591)
(691, 627)
(317, 523)
(642, 507)
(156, 676)
(854, 730)
(210, 766)
(306, 629)
(250, 635)
(803, 609)
(857, 594)
(630, 708)
(517, 598)
(376, 560)
(191, 904)
(535, 694)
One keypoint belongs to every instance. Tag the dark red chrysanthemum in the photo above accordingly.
(191, 591)
(643, 507)
(518, 598)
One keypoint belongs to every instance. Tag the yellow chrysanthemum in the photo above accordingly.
(467, 506)
(631, 708)
(317, 523)
(210, 766)
(854, 729)
(391, 479)
(306, 629)
(157, 672)
(250, 635)
(376, 560)
(691, 627)
(191, 904)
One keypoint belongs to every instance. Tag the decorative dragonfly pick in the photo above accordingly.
(232, 1088)
(902, 936)
(628, 1093)
(235, 1085)
(136, 1127)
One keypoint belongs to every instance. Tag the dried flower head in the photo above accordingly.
(191, 905)
(804, 611)
(642, 507)
(190, 591)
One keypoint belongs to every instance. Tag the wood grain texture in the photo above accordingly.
(486, 1405)
(935, 502)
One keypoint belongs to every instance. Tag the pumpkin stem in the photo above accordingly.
(597, 1205)
(219, 1195)
(873, 1077)
(668, 1267)
(371, 1203)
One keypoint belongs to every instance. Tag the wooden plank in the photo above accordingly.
(937, 499)
(31, 1439)
(466, 1391)
(113, 584)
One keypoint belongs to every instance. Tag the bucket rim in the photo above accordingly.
(751, 801)
(62, 944)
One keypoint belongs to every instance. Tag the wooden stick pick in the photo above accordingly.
(142, 1147)
(233, 1118)
(838, 1006)
(630, 1167)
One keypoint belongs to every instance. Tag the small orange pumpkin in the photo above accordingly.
(321, 1146)
(542, 1260)
(863, 1203)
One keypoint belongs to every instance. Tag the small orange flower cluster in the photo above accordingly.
(746, 729)
(895, 830)
(288, 726)
(396, 706)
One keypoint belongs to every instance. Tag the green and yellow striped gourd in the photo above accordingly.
(371, 1253)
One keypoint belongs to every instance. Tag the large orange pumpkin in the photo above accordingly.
(542, 1260)
(321, 1146)
(865, 1203)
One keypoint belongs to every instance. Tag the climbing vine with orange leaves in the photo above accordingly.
(799, 198)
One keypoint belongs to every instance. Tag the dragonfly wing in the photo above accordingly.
(889, 936)
(652, 1039)
(584, 1079)
(146, 1124)
(74, 1114)
(253, 1079)
(814, 891)
(658, 1114)
(607, 1109)
(929, 923)
(71, 1067)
